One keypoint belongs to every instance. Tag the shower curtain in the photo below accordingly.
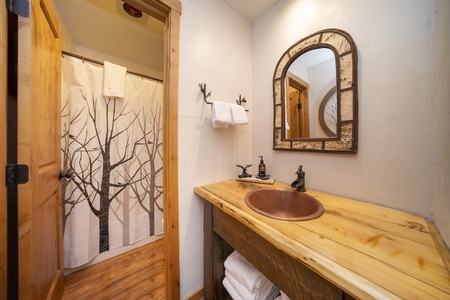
(112, 151)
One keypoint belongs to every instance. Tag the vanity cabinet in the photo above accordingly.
(223, 234)
(355, 249)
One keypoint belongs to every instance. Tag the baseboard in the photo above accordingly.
(198, 295)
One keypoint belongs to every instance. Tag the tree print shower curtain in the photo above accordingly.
(112, 151)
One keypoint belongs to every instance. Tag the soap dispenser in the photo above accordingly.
(261, 168)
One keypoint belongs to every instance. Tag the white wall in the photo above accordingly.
(442, 62)
(215, 48)
(396, 160)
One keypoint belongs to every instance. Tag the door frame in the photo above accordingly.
(168, 11)
(3, 97)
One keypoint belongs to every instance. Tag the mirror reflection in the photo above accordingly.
(311, 99)
(315, 93)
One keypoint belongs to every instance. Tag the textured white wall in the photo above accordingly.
(215, 48)
(442, 62)
(395, 164)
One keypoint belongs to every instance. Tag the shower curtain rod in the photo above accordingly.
(100, 63)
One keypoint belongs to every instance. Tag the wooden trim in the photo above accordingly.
(198, 295)
(51, 17)
(3, 95)
(171, 230)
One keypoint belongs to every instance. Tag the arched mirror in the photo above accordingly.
(315, 95)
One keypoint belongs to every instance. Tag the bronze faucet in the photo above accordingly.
(299, 183)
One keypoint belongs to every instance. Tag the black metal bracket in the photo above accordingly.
(203, 90)
(16, 174)
(206, 95)
(19, 7)
(241, 100)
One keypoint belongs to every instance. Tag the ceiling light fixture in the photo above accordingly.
(132, 11)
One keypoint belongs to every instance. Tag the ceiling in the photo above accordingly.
(103, 26)
(250, 9)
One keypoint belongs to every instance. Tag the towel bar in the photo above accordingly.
(206, 95)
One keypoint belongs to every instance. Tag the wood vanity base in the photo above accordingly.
(223, 234)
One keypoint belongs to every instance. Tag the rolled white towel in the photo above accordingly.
(238, 114)
(221, 114)
(267, 291)
(244, 272)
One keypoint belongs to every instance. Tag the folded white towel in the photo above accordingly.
(231, 290)
(113, 80)
(238, 114)
(267, 290)
(244, 272)
(221, 114)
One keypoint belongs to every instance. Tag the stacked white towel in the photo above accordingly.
(224, 114)
(243, 281)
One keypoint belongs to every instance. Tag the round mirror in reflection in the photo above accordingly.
(328, 113)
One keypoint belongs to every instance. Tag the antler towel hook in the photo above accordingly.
(241, 101)
(203, 90)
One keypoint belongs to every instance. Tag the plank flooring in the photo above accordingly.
(137, 274)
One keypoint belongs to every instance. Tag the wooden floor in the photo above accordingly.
(137, 274)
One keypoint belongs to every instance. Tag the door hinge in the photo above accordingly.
(19, 7)
(16, 174)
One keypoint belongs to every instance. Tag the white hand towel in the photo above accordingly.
(238, 114)
(113, 80)
(267, 290)
(220, 114)
(244, 271)
(233, 293)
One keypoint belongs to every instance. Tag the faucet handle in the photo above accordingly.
(299, 170)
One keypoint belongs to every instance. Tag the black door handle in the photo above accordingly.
(64, 174)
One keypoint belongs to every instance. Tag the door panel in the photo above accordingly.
(40, 240)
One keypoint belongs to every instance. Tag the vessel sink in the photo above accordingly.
(284, 204)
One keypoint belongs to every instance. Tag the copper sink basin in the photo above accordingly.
(284, 204)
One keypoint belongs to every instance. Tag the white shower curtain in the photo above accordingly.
(112, 148)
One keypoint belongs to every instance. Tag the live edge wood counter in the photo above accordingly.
(367, 251)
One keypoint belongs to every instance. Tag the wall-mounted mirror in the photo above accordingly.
(315, 94)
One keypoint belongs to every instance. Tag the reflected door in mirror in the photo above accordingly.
(297, 112)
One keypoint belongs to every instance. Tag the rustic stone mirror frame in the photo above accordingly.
(341, 43)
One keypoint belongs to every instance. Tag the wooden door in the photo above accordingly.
(304, 113)
(40, 238)
(293, 114)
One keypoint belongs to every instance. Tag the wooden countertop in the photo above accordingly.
(369, 251)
